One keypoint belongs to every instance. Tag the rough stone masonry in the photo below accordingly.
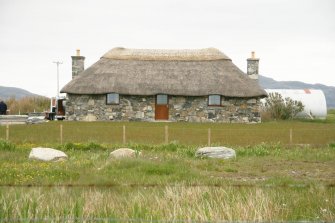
(181, 108)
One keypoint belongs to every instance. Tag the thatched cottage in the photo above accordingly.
(176, 85)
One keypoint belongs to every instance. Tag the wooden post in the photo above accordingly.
(7, 132)
(61, 134)
(291, 136)
(209, 137)
(124, 135)
(166, 134)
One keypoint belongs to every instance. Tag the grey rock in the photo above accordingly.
(216, 152)
(124, 153)
(47, 154)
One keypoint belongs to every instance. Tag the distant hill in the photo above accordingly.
(18, 93)
(270, 83)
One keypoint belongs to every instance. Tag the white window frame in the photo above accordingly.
(112, 99)
(211, 103)
(162, 95)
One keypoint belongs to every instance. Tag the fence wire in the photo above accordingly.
(331, 185)
(79, 219)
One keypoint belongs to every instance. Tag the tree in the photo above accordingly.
(282, 108)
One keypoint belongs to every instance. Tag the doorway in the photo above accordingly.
(162, 107)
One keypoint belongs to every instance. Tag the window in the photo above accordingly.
(214, 100)
(161, 99)
(113, 99)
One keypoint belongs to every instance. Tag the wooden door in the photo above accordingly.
(60, 107)
(162, 107)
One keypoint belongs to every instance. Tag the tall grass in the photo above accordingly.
(27, 104)
(175, 203)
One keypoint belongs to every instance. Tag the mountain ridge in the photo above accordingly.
(9, 92)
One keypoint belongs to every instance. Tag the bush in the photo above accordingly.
(263, 149)
(82, 146)
(5, 145)
(282, 108)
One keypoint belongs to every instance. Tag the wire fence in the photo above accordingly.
(97, 186)
(119, 133)
(90, 219)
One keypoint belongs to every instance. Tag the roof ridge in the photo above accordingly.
(205, 54)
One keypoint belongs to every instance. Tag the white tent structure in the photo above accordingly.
(313, 100)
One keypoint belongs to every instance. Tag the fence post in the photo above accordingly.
(7, 132)
(124, 135)
(291, 136)
(166, 134)
(209, 137)
(61, 134)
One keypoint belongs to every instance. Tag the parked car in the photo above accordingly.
(36, 117)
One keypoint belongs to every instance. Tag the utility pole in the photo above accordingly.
(57, 63)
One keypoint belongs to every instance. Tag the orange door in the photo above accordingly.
(162, 107)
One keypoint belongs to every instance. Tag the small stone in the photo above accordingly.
(245, 119)
(251, 101)
(139, 115)
(216, 152)
(124, 153)
(90, 102)
(47, 154)
(90, 118)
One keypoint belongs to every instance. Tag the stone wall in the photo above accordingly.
(142, 108)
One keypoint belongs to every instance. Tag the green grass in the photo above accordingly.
(266, 182)
(271, 179)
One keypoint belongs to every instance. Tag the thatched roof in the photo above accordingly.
(173, 72)
(158, 54)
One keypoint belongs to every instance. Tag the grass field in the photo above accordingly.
(270, 180)
(266, 182)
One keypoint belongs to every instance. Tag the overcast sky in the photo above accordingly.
(294, 39)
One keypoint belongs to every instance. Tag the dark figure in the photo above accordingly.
(3, 108)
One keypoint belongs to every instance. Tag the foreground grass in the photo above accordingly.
(173, 203)
(266, 182)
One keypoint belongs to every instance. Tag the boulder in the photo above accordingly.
(216, 152)
(47, 154)
(124, 153)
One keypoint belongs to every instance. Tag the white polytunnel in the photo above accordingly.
(314, 101)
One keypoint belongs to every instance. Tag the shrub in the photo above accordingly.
(262, 149)
(5, 145)
(82, 146)
(282, 108)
